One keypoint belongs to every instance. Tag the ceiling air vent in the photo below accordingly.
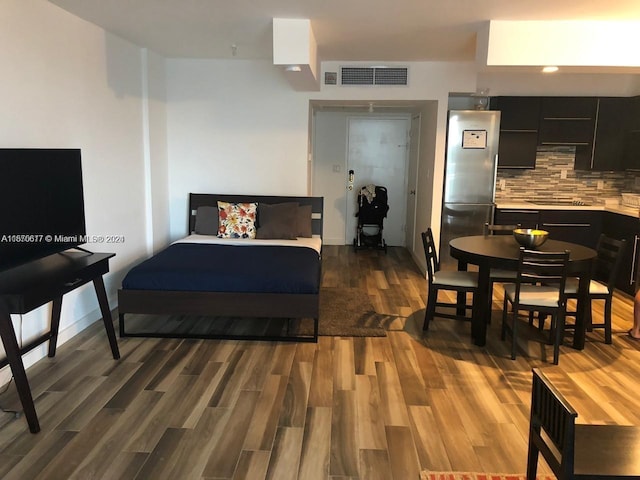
(374, 75)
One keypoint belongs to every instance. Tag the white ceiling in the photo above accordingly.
(355, 30)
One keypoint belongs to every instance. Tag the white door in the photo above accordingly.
(377, 154)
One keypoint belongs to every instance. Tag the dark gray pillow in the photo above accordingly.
(304, 221)
(207, 221)
(277, 221)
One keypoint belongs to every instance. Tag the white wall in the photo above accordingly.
(234, 126)
(67, 83)
(158, 158)
(238, 127)
(329, 150)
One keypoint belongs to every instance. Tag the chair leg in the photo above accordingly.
(431, 308)
(503, 332)
(607, 320)
(558, 320)
(589, 317)
(514, 334)
(532, 457)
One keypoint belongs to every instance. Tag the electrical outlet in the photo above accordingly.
(503, 184)
(600, 185)
(563, 174)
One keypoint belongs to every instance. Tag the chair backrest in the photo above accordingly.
(609, 259)
(494, 229)
(551, 413)
(547, 268)
(430, 253)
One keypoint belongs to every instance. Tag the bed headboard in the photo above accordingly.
(211, 200)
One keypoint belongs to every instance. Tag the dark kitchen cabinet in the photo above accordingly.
(514, 216)
(519, 120)
(611, 132)
(631, 159)
(576, 226)
(569, 121)
(627, 228)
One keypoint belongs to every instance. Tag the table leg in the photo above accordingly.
(481, 307)
(55, 325)
(581, 316)
(461, 297)
(98, 284)
(14, 358)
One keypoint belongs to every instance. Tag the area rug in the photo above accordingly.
(348, 312)
(427, 475)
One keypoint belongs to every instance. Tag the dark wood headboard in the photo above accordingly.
(211, 200)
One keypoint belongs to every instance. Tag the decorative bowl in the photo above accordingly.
(530, 238)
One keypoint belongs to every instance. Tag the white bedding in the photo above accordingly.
(313, 242)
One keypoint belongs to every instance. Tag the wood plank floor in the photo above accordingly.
(344, 408)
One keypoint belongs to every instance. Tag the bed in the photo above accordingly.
(201, 275)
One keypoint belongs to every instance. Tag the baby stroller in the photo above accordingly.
(372, 209)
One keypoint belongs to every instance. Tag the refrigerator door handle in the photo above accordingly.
(495, 176)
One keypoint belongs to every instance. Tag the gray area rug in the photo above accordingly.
(348, 312)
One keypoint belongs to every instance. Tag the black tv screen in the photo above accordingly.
(41, 203)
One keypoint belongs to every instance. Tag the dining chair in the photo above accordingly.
(448, 280)
(498, 275)
(603, 279)
(539, 287)
(575, 451)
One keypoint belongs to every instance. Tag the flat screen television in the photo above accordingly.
(41, 203)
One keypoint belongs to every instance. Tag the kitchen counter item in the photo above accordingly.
(631, 200)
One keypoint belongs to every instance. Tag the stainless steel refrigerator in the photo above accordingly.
(470, 176)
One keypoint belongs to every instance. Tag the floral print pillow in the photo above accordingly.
(237, 220)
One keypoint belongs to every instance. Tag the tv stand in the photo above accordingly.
(29, 286)
(82, 250)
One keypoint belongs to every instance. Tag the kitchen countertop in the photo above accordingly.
(621, 209)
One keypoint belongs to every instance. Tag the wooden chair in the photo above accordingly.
(603, 279)
(576, 451)
(461, 282)
(497, 274)
(539, 287)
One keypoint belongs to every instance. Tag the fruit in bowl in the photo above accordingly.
(530, 238)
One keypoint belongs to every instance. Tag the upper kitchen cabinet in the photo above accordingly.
(518, 130)
(569, 121)
(632, 142)
(612, 127)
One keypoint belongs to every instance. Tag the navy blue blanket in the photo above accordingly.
(228, 268)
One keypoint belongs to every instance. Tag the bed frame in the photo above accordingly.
(227, 304)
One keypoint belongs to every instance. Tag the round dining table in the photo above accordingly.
(503, 252)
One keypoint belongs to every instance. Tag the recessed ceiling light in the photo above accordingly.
(550, 69)
(293, 68)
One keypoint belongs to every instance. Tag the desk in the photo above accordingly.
(31, 285)
(502, 251)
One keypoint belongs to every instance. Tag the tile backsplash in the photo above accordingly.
(554, 177)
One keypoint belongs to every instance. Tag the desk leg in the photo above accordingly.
(98, 283)
(481, 307)
(581, 316)
(55, 325)
(14, 358)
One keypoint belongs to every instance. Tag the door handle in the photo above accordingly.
(351, 178)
